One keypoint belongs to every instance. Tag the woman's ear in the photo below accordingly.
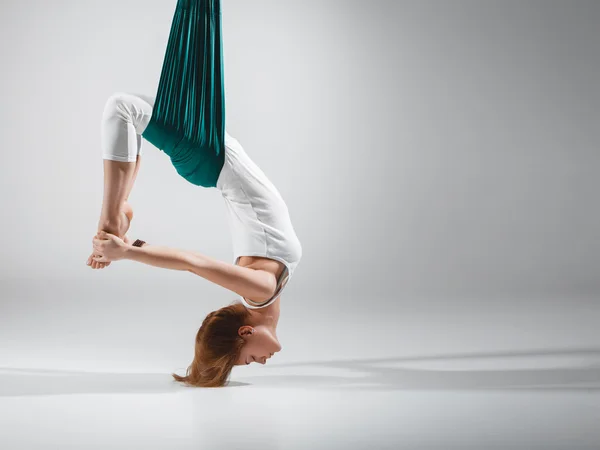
(246, 330)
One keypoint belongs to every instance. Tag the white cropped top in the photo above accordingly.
(259, 220)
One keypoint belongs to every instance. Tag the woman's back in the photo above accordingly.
(258, 216)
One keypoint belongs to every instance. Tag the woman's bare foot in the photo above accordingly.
(118, 227)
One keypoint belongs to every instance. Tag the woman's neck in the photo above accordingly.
(268, 317)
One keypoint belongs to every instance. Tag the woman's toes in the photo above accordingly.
(91, 262)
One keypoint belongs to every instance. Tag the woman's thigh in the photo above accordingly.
(125, 118)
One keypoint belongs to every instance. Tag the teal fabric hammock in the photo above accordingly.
(188, 118)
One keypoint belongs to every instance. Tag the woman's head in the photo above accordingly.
(260, 344)
(232, 335)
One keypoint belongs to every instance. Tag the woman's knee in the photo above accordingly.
(114, 106)
(129, 108)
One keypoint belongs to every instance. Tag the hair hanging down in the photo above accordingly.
(218, 347)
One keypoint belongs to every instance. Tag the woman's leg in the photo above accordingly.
(139, 129)
(124, 120)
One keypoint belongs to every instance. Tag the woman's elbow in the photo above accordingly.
(267, 289)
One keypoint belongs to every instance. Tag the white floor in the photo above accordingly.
(80, 372)
(547, 401)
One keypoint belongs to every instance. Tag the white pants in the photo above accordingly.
(125, 118)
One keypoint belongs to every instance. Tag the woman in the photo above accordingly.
(266, 248)
(186, 120)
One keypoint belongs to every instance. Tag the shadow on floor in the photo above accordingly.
(565, 369)
(21, 382)
(362, 374)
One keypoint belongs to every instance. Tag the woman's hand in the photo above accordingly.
(109, 247)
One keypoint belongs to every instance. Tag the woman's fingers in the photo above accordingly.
(100, 258)
(103, 243)
(99, 243)
(104, 235)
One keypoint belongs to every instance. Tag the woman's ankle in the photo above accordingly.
(115, 225)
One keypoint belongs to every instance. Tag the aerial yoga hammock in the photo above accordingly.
(188, 120)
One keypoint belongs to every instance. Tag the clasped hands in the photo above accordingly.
(108, 247)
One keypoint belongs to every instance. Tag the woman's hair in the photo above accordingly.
(218, 347)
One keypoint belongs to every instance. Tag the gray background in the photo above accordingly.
(440, 163)
(439, 160)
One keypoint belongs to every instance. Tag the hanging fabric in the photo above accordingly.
(188, 118)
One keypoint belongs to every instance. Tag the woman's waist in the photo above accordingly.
(174, 141)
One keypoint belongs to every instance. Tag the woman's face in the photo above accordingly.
(261, 344)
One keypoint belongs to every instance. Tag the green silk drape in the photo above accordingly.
(188, 118)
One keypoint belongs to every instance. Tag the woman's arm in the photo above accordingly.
(257, 285)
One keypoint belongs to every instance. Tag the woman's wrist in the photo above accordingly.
(134, 249)
(159, 256)
(131, 252)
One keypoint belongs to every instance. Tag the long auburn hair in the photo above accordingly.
(218, 347)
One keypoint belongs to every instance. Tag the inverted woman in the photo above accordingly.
(186, 120)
